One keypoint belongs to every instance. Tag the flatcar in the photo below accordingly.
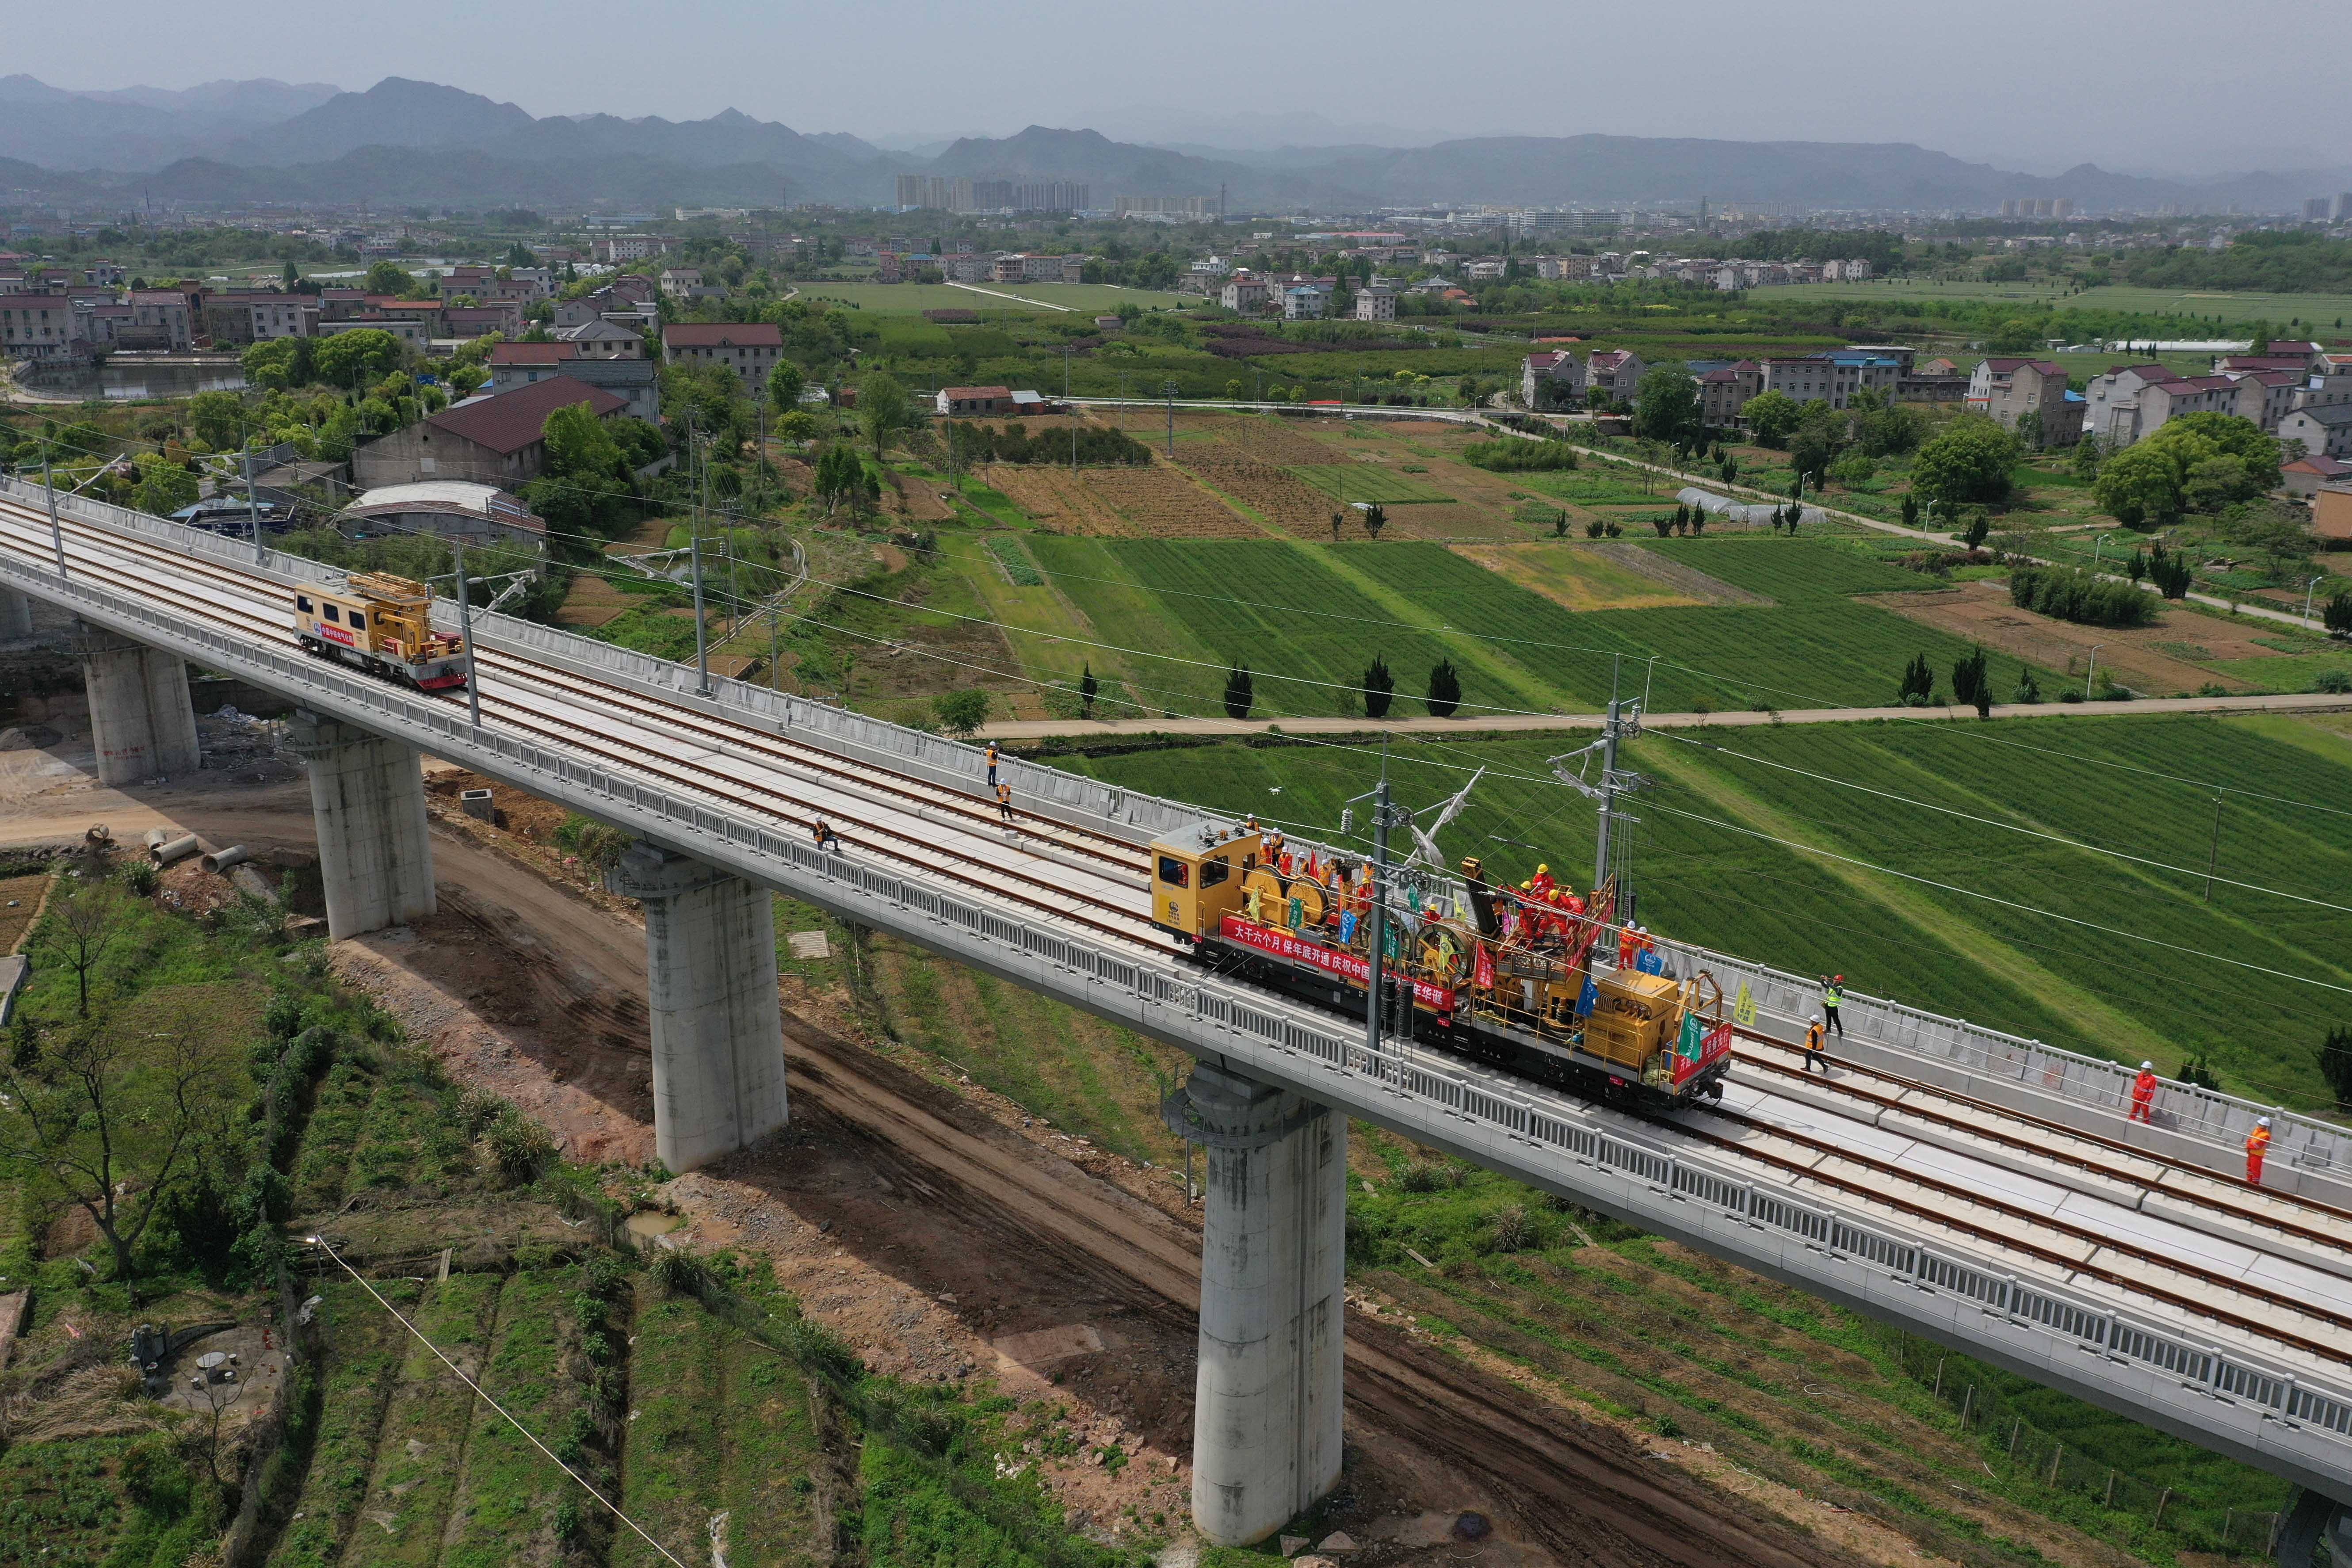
(382, 625)
(1503, 976)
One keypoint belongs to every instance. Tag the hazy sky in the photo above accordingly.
(2178, 85)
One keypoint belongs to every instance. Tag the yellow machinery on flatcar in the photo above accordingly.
(382, 624)
(1509, 979)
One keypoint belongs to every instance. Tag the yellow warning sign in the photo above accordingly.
(1743, 1011)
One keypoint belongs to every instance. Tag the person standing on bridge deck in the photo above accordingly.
(1833, 993)
(1817, 1046)
(992, 764)
(1004, 801)
(2258, 1143)
(2144, 1094)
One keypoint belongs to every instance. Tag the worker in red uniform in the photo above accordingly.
(2258, 1143)
(2144, 1094)
(1628, 943)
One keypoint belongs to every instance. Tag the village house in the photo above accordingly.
(1551, 379)
(498, 440)
(750, 349)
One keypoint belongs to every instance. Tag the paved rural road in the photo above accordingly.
(1034, 729)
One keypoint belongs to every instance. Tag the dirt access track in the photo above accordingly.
(946, 1234)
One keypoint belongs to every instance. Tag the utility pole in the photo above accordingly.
(465, 634)
(2093, 669)
(1384, 816)
(694, 556)
(2213, 861)
(252, 502)
(57, 532)
(1623, 724)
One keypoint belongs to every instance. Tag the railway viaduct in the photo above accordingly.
(1982, 1190)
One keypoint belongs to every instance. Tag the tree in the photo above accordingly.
(1238, 695)
(2337, 617)
(785, 384)
(2336, 1063)
(1771, 417)
(363, 355)
(1972, 683)
(1379, 686)
(1970, 462)
(1376, 517)
(217, 418)
(81, 925)
(961, 713)
(1666, 409)
(2028, 691)
(280, 364)
(1910, 510)
(1088, 686)
(883, 409)
(1444, 689)
(111, 1115)
(163, 487)
(2089, 452)
(840, 474)
(1917, 688)
(2139, 487)
(1980, 525)
(795, 428)
(386, 278)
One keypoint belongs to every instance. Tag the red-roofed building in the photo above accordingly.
(1554, 376)
(975, 402)
(2027, 395)
(750, 349)
(1725, 390)
(2306, 475)
(1617, 371)
(498, 440)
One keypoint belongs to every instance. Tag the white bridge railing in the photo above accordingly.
(1552, 1141)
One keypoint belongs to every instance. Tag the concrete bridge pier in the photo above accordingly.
(141, 717)
(367, 794)
(718, 1029)
(1266, 1420)
(16, 613)
(2316, 1533)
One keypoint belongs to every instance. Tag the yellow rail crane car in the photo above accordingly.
(1494, 975)
(382, 625)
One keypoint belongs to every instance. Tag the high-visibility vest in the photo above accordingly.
(1831, 996)
(1813, 1036)
(2258, 1139)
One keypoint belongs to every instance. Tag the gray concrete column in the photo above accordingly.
(16, 613)
(367, 795)
(718, 1027)
(1265, 1419)
(141, 718)
(2317, 1531)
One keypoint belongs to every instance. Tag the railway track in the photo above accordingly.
(2289, 1215)
(792, 785)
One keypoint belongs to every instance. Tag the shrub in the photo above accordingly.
(1917, 687)
(1593, 529)
(960, 713)
(1445, 691)
(143, 877)
(2336, 1063)
(1520, 457)
(1379, 687)
(2028, 690)
(2076, 596)
(1513, 1229)
(2337, 617)
(1421, 1176)
(1239, 695)
(2337, 681)
(1971, 684)
(519, 1148)
(679, 1273)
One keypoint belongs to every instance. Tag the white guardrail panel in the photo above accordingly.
(2247, 1404)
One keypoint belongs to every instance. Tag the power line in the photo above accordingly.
(483, 1394)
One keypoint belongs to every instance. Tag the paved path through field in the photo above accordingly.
(1033, 730)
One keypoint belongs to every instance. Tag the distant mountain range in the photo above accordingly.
(229, 143)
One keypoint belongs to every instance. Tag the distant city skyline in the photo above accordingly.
(2020, 83)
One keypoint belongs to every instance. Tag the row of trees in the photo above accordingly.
(1442, 696)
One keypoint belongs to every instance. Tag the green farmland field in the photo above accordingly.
(1367, 482)
(1019, 299)
(1975, 946)
(2315, 310)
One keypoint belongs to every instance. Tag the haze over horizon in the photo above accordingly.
(2018, 83)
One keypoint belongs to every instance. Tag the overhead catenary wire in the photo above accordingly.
(484, 1396)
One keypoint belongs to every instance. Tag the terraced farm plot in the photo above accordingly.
(1303, 628)
(364, 1350)
(1161, 503)
(1052, 496)
(421, 1447)
(1575, 578)
(507, 1500)
(1367, 482)
(1271, 439)
(1274, 493)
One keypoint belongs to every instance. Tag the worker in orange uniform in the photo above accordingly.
(1816, 1045)
(2258, 1143)
(1628, 943)
(1004, 801)
(992, 764)
(2144, 1094)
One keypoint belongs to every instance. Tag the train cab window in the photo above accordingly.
(302, 603)
(334, 614)
(1214, 871)
(1174, 872)
(358, 621)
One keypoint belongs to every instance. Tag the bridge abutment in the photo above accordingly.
(1266, 1414)
(367, 794)
(141, 718)
(718, 1029)
(2316, 1534)
(16, 613)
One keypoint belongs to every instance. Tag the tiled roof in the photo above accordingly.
(513, 420)
(968, 394)
(533, 353)
(723, 334)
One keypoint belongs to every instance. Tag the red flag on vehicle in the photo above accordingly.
(1483, 976)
